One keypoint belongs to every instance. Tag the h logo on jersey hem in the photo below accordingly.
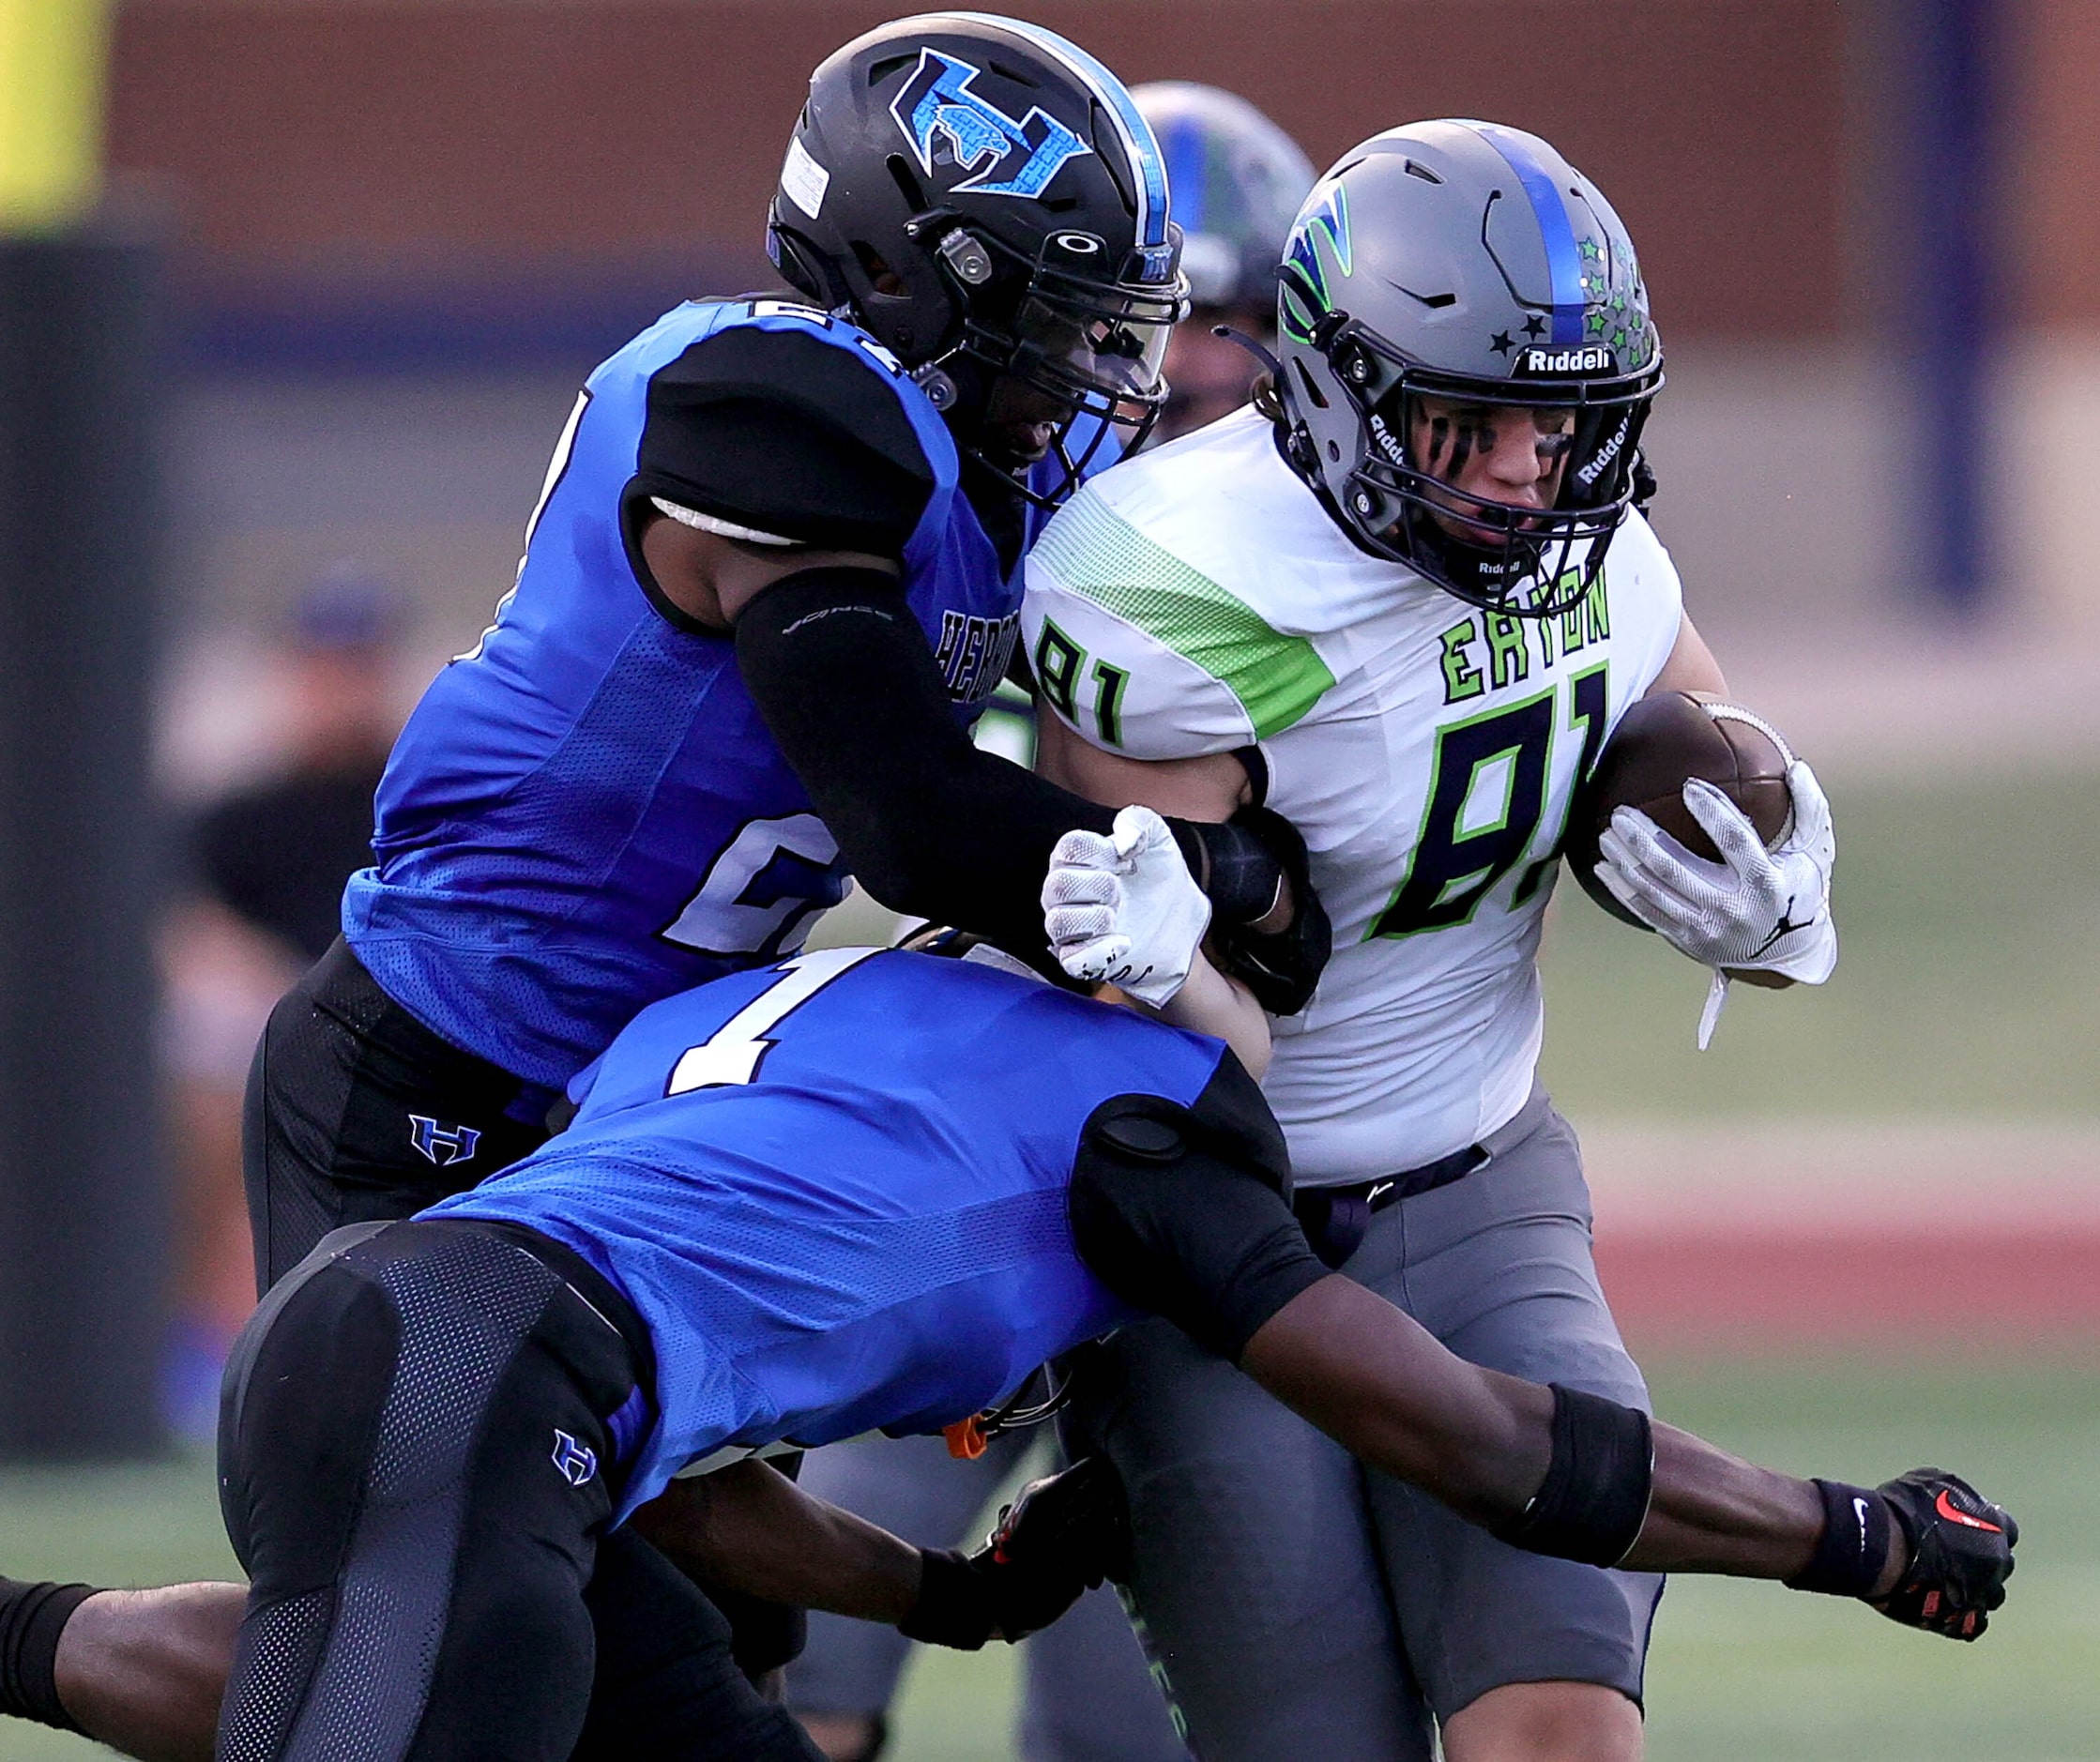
(440, 1143)
(578, 1462)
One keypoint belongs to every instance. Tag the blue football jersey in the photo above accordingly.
(585, 812)
(835, 1191)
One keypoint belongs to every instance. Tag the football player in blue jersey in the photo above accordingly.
(1089, 1694)
(867, 1189)
(771, 581)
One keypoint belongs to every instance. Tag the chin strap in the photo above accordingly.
(1259, 349)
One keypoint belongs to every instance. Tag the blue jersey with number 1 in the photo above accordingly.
(587, 814)
(835, 1191)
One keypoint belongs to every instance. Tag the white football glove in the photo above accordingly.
(1123, 910)
(1753, 910)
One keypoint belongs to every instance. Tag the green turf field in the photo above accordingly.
(1739, 1671)
(1968, 983)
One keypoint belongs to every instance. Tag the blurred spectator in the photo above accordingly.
(276, 855)
(1238, 181)
(265, 868)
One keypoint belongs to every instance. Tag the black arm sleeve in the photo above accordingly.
(841, 672)
(783, 432)
(1185, 1211)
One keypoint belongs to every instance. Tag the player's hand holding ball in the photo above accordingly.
(1730, 860)
(1753, 910)
(1123, 910)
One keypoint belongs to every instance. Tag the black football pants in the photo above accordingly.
(357, 1113)
(417, 1462)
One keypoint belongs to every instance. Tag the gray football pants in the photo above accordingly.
(1302, 1606)
(1089, 1694)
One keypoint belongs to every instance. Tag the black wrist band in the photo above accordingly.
(1238, 872)
(1854, 1546)
(954, 1608)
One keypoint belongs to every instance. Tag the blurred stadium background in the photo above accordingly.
(388, 236)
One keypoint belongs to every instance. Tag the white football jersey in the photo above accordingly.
(1198, 599)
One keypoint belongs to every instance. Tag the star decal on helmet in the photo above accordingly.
(1535, 326)
(1500, 343)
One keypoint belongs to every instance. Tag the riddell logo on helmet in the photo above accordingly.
(1594, 359)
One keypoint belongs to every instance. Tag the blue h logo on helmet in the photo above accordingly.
(1008, 158)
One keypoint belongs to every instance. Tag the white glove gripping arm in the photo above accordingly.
(1124, 910)
(1753, 910)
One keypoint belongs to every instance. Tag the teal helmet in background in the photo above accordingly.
(1236, 181)
(1470, 263)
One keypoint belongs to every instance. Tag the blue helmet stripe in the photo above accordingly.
(1563, 266)
(1183, 146)
(1145, 158)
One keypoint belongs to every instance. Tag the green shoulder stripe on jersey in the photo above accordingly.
(1101, 556)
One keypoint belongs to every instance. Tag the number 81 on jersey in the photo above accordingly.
(1488, 794)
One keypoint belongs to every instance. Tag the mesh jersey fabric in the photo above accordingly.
(586, 811)
(870, 1230)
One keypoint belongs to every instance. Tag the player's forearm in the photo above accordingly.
(1483, 1443)
(1375, 1380)
(1213, 787)
(1210, 1003)
(840, 671)
(748, 1529)
(144, 1671)
(1713, 1513)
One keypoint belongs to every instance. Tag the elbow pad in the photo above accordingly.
(1243, 865)
(1183, 1211)
(1593, 1500)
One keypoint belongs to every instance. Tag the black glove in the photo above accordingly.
(1961, 1554)
(1063, 1535)
(1239, 864)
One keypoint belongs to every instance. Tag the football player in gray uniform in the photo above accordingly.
(1401, 603)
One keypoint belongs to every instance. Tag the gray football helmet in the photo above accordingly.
(1468, 263)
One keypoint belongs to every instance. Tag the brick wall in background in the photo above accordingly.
(375, 136)
(409, 175)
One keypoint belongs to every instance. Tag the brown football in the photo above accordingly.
(1660, 743)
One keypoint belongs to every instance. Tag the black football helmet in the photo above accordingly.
(985, 200)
